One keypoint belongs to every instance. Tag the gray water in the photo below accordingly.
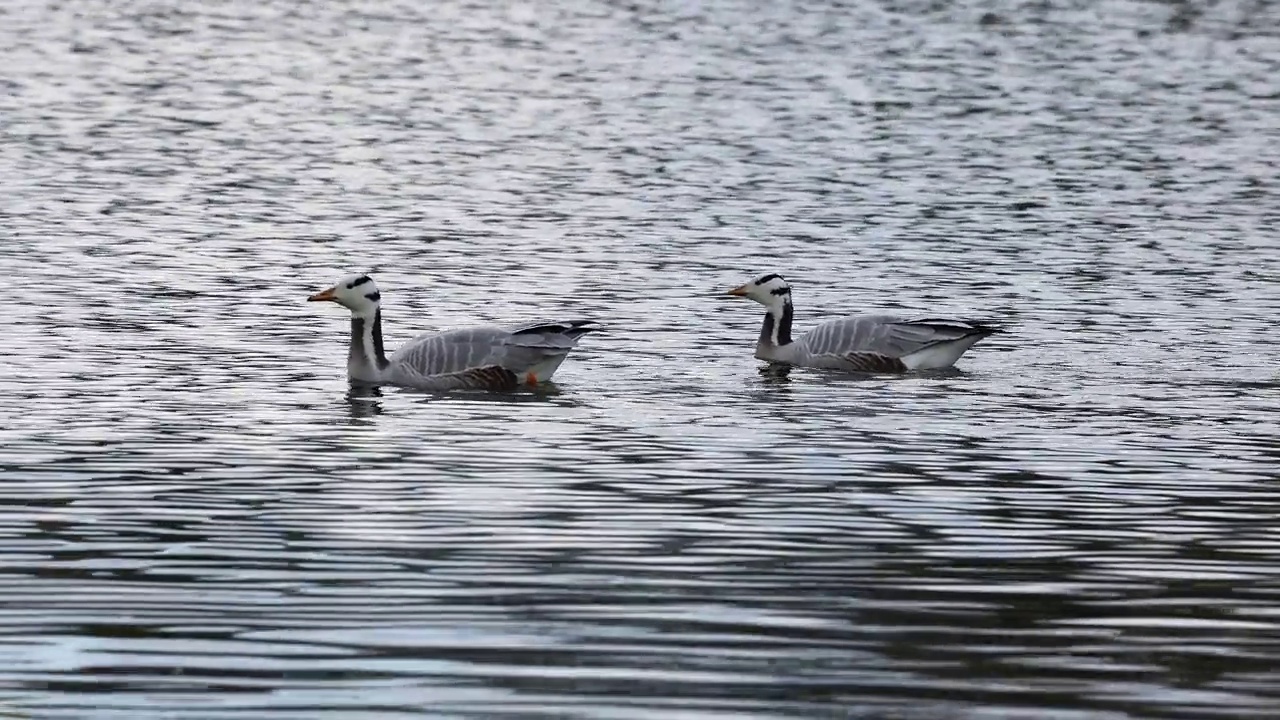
(201, 521)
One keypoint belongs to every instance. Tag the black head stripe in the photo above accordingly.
(359, 281)
(767, 278)
(374, 296)
(780, 291)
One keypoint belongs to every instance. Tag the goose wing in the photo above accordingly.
(877, 343)
(458, 352)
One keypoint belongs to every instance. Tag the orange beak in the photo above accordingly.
(323, 295)
(740, 291)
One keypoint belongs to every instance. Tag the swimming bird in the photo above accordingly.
(864, 343)
(489, 358)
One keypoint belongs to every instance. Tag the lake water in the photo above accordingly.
(199, 521)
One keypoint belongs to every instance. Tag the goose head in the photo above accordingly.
(357, 293)
(769, 290)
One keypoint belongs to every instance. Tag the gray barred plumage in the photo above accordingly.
(493, 358)
(867, 343)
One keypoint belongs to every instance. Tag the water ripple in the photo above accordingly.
(201, 520)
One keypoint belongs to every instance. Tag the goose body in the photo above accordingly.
(485, 357)
(862, 343)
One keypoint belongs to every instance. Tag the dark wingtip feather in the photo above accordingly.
(578, 328)
(572, 328)
(988, 328)
(586, 326)
(979, 327)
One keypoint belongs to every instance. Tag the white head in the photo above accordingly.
(357, 293)
(769, 290)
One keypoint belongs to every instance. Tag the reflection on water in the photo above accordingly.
(202, 520)
(364, 402)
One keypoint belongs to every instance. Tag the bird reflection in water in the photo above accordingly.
(363, 401)
(779, 373)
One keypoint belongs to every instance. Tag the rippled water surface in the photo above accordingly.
(200, 521)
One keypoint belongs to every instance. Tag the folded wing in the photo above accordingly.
(447, 357)
(879, 343)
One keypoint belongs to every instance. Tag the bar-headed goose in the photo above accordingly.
(866, 343)
(491, 358)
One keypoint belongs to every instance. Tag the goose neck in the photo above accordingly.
(776, 329)
(367, 357)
